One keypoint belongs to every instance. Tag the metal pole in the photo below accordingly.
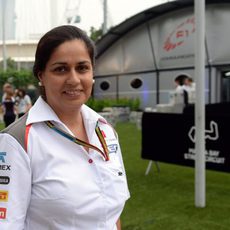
(200, 103)
(3, 37)
(105, 17)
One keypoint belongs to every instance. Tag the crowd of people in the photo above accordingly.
(14, 104)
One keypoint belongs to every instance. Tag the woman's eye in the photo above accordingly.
(83, 68)
(60, 69)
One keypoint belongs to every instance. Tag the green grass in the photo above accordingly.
(1, 126)
(165, 200)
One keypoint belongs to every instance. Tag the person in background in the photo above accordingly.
(8, 104)
(190, 87)
(179, 87)
(71, 174)
(23, 102)
(178, 84)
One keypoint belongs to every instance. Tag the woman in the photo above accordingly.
(23, 102)
(8, 104)
(72, 175)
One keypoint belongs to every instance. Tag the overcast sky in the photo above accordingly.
(118, 10)
(38, 16)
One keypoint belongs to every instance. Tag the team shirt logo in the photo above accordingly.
(2, 213)
(3, 196)
(2, 157)
(3, 160)
(4, 180)
(112, 148)
(103, 133)
(5, 167)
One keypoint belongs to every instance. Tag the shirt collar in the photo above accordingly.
(41, 111)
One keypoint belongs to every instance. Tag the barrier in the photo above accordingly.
(170, 138)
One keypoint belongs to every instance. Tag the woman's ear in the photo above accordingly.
(40, 76)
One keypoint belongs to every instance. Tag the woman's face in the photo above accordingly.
(68, 77)
(7, 88)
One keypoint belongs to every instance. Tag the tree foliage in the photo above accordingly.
(19, 79)
(95, 34)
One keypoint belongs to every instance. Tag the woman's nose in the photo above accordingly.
(73, 77)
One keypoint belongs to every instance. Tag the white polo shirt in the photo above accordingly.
(57, 184)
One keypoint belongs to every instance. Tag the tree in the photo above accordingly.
(11, 64)
(20, 79)
(95, 34)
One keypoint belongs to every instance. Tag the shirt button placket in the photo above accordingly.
(90, 161)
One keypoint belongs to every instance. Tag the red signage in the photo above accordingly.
(179, 35)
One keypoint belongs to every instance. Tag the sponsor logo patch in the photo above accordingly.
(3, 196)
(112, 148)
(4, 180)
(2, 157)
(2, 213)
(5, 167)
(103, 133)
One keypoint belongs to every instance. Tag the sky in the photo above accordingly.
(118, 10)
(34, 17)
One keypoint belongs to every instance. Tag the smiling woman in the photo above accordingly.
(68, 78)
(72, 168)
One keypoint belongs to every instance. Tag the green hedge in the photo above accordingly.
(99, 104)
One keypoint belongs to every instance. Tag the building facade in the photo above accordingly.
(141, 57)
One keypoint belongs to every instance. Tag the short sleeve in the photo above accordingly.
(28, 100)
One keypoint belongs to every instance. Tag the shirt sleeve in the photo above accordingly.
(15, 183)
(28, 100)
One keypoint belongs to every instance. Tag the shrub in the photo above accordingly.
(99, 104)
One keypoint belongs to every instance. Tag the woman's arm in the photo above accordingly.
(2, 108)
(28, 103)
(15, 183)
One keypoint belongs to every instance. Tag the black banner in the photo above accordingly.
(170, 138)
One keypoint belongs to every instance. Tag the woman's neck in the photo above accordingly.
(75, 124)
(71, 120)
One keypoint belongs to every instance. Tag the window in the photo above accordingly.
(136, 83)
(104, 85)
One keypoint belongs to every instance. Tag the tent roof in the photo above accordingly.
(120, 30)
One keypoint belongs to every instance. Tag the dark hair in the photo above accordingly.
(22, 91)
(55, 37)
(180, 79)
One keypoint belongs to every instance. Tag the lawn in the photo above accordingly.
(165, 200)
(1, 126)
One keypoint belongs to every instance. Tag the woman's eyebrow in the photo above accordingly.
(65, 63)
(84, 62)
(59, 63)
